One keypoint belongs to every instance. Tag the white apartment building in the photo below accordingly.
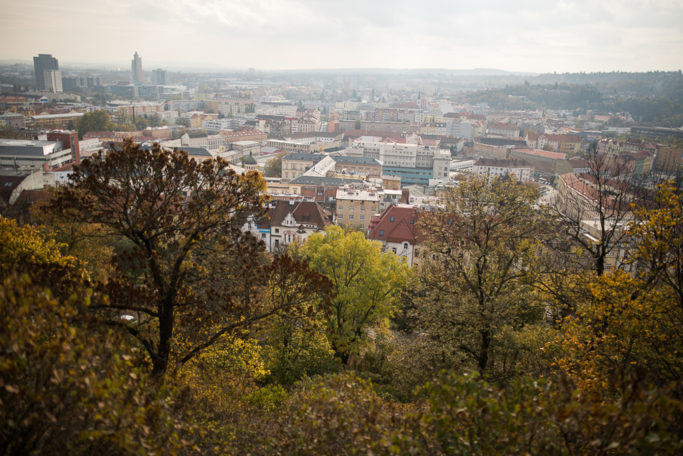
(492, 168)
(397, 157)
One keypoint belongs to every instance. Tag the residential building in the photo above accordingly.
(669, 159)
(396, 228)
(359, 166)
(12, 120)
(412, 161)
(356, 206)
(322, 189)
(286, 222)
(52, 121)
(243, 134)
(516, 169)
(296, 164)
(509, 130)
(552, 163)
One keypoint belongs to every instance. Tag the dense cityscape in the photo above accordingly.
(339, 261)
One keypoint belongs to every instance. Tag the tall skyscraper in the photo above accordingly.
(48, 76)
(136, 68)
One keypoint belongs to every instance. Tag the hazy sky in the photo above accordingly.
(536, 36)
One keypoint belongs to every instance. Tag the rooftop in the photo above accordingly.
(304, 157)
(542, 153)
(330, 181)
(344, 159)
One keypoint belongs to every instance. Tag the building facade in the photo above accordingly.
(48, 76)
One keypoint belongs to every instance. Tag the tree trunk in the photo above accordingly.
(160, 363)
(483, 358)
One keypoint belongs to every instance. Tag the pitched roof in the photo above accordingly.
(396, 224)
(310, 213)
(304, 212)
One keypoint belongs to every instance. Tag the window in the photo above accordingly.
(339, 207)
(277, 230)
(393, 249)
(381, 232)
(405, 245)
(391, 219)
(362, 217)
(362, 208)
(351, 217)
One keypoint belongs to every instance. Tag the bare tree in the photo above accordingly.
(594, 207)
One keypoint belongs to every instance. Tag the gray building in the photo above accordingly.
(159, 76)
(48, 76)
(136, 68)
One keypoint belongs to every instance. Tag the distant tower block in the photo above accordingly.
(159, 76)
(136, 68)
(48, 76)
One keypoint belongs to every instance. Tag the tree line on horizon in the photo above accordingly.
(651, 98)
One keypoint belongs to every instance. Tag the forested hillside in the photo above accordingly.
(651, 98)
(138, 318)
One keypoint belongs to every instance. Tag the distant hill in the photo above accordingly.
(653, 97)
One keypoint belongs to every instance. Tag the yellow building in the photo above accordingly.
(355, 208)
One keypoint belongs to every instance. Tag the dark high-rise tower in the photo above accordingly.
(48, 76)
(136, 68)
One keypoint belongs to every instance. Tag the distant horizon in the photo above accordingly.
(488, 71)
(538, 36)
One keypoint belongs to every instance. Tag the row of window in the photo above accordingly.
(340, 207)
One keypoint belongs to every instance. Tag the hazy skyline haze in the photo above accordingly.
(533, 36)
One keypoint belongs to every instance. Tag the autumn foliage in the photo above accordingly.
(194, 340)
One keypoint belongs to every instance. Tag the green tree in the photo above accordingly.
(67, 385)
(366, 282)
(141, 123)
(474, 297)
(274, 165)
(94, 121)
(185, 262)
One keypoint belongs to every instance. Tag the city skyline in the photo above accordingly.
(533, 36)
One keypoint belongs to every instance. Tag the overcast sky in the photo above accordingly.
(534, 36)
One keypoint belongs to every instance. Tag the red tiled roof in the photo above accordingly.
(503, 126)
(396, 224)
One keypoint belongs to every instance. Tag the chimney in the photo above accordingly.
(405, 196)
